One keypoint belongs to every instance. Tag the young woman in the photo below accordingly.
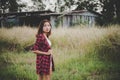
(42, 48)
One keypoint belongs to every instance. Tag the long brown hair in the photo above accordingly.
(40, 30)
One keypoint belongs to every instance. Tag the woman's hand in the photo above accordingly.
(49, 51)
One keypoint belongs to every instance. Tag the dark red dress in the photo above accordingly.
(43, 62)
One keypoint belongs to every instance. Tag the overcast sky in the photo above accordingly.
(47, 2)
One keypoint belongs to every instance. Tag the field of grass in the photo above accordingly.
(79, 53)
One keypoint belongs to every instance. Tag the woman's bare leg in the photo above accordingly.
(50, 72)
(48, 77)
(40, 77)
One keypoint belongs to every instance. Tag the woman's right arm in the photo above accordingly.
(35, 48)
(39, 40)
(41, 52)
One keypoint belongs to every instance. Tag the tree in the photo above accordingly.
(4, 5)
(10, 5)
(13, 6)
(58, 6)
(117, 9)
(38, 4)
(69, 3)
(21, 6)
(110, 11)
(80, 4)
(87, 4)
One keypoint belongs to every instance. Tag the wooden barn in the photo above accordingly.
(75, 17)
(65, 19)
(23, 18)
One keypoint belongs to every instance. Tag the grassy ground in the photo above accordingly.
(79, 53)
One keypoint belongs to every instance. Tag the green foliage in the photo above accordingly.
(77, 56)
(110, 11)
(12, 5)
(87, 4)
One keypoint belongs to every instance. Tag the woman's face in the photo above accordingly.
(46, 27)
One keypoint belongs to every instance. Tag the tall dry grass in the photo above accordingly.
(73, 41)
(19, 35)
(79, 52)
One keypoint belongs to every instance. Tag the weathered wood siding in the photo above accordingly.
(68, 20)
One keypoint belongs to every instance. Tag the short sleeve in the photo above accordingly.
(38, 42)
